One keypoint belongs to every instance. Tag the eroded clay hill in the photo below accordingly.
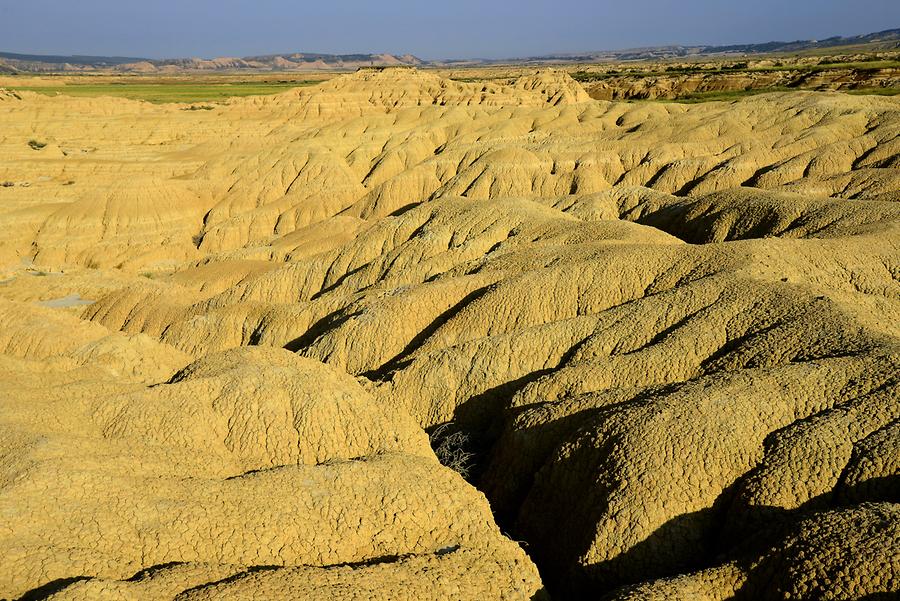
(660, 341)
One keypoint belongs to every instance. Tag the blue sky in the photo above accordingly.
(429, 29)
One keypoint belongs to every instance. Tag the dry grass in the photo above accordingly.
(451, 446)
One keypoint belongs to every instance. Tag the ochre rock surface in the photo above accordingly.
(254, 457)
(664, 339)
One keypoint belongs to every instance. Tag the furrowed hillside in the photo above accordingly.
(660, 343)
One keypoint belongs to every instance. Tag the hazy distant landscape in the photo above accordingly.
(868, 64)
(874, 42)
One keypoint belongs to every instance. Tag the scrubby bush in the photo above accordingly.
(452, 447)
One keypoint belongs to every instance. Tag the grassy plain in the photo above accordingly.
(184, 89)
(210, 88)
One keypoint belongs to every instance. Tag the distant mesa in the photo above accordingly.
(314, 61)
(297, 61)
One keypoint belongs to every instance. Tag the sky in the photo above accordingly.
(429, 29)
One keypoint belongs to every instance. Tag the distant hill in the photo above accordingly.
(297, 61)
(882, 40)
(889, 36)
(305, 61)
(90, 61)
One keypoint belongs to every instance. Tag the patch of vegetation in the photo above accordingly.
(734, 95)
(453, 448)
(867, 64)
(875, 91)
(725, 95)
(186, 92)
(585, 76)
(501, 78)
(35, 145)
(199, 107)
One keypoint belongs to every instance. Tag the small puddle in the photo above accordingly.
(73, 300)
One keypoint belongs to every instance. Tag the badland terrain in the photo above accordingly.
(422, 334)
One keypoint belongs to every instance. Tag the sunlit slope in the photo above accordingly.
(666, 334)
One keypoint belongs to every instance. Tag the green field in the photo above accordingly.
(157, 92)
(876, 91)
(725, 95)
(738, 94)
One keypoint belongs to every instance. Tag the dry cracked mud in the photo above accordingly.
(665, 338)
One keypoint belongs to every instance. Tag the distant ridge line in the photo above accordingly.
(312, 61)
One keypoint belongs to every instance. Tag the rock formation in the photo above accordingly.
(666, 336)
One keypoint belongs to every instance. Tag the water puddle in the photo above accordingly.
(72, 300)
